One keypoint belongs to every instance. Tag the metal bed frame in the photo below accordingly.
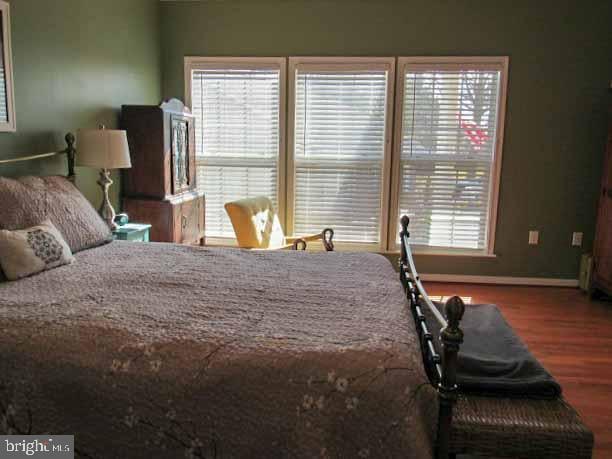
(478, 424)
(444, 374)
(69, 151)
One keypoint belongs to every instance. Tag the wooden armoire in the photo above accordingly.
(160, 187)
(602, 249)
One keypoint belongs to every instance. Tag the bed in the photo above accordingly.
(142, 350)
(201, 351)
(160, 350)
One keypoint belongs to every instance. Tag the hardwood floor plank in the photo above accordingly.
(569, 334)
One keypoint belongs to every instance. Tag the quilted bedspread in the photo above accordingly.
(160, 350)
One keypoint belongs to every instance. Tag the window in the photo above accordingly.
(339, 169)
(339, 142)
(238, 104)
(449, 128)
(7, 99)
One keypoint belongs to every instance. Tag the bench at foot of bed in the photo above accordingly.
(518, 428)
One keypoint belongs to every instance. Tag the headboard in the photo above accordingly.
(69, 151)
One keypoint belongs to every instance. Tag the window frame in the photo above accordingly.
(252, 63)
(343, 63)
(10, 125)
(500, 63)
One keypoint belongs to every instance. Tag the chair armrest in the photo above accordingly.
(296, 244)
(309, 237)
(268, 249)
(326, 237)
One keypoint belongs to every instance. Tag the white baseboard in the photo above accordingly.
(500, 280)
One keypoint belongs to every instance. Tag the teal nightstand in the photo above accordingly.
(138, 232)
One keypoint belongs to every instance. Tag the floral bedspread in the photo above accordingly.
(159, 350)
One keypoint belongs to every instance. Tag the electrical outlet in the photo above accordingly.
(576, 239)
(534, 237)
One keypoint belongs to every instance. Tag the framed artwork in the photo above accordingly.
(7, 100)
(180, 153)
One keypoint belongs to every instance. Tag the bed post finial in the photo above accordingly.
(451, 337)
(404, 221)
(454, 310)
(70, 154)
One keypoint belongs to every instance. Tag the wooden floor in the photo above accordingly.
(571, 336)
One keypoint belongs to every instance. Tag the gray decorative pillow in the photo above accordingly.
(32, 250)
(27, 201)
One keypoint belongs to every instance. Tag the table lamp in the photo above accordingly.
(105, 149)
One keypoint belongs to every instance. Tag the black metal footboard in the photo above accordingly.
(442, 369)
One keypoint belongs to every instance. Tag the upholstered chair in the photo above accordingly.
(257, 226)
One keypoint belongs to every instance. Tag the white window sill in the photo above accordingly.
(446, 253)
(340, 246)
(215, 241)
(314, 246)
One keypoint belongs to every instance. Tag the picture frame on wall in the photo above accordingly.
(7, 97)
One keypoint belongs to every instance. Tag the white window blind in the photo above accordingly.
(448, 149)
(237, 137)
(339, 148)
(3, 94)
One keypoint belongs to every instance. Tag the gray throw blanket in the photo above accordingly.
(494, 361)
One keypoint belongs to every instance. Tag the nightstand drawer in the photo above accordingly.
(133, 232)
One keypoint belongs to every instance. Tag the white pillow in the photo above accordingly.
(32, 250)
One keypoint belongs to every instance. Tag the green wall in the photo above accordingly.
(75, 62)
(560, 68)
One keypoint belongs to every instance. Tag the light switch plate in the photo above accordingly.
(534, 237)
(576, 239)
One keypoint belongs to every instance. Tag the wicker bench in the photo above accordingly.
(518, 428)
(484, 425)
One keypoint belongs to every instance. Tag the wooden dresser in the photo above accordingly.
(160, 188)
(602, 250)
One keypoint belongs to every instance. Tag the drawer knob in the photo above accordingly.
(183, 221)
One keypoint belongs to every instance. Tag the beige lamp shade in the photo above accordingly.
(103, 148)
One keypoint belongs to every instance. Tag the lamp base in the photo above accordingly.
(106, 209)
